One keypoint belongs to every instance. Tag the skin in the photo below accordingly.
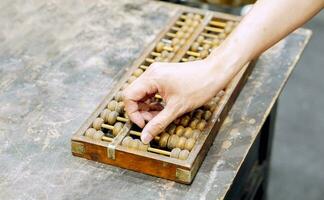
(186, 86)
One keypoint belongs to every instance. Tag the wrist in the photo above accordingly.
(226, 61)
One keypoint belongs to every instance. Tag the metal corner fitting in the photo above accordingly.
(77, 147)
(184, 175)
(111, 149)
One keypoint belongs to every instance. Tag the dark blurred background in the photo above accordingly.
(297, 163)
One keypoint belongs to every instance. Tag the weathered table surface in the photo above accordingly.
(59, 59)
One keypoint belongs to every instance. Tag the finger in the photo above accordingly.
(158, 123)
(146, 115)
(133, 94)
(134, 114)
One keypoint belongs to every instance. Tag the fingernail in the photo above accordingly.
(146, 138)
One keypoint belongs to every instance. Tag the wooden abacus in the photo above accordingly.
(108, 136)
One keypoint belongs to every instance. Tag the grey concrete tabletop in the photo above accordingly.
(58, 59)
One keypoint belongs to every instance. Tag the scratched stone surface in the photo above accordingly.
(58, 59)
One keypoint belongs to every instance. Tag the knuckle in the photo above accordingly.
(158, 127)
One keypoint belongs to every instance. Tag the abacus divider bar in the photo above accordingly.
(159, 151)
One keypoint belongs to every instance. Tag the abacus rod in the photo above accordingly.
(216, 30)
(132, 132)
(107, 139)
(217, 23)
(159, 151)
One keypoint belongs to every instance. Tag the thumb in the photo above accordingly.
(159, 123)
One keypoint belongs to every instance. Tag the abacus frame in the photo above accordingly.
(182, 171)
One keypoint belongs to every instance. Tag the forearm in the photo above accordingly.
(267, 23)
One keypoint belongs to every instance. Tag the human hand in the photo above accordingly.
(183, 87)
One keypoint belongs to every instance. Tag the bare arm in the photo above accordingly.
(267, 23)
(183, 86)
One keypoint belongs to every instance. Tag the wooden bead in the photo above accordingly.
(175, 153)
(181, 143)
(195, 134)
(185, 28)
(143, 147)
(164, 54)
(176, 47)
(228, 30)
(200, 39)
(179, 34)
(201, 125)
(104, 114)
(207, 115)
(221, 93)
(215, 42)
(197, 17)
(97, 123)
(159, 47)
(191, 29)
(230, 23)
(183, 155)
(204, 53)
(119, 96)
(121, 106)
(179, 131)
(126, 141)
(112, 105)
(90, 132)
(98, 135)
(164, 140)
(194, 46)
(117, 128)
(175, 41)
(187, 35)
(206, 46)
(171, 55)
(188, 132)
(177, 121)
(171, 128)
(190, 15)
(195, 23)
(172, 141)
(191, 58)
(112, 117)
(138, 72)
(190, 144)
(182, 42)
(185, 120)
(189, 22)
(193, 123)
(211, 105)
(134, 144)
(158, 59)
(222, 36)
(131, 79)
(198, 114)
